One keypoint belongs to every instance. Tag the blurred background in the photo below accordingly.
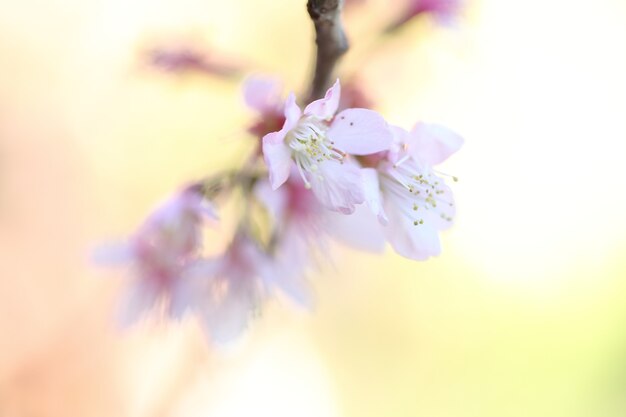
(524, 313)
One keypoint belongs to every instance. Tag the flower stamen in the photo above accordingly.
(311, 147)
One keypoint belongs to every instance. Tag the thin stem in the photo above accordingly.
(331, 42)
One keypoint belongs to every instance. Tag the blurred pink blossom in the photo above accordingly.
(226, 291)
(263, 94)
(185, 58)
(163, 248)
(317, 142)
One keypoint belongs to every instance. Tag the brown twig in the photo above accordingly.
(331, 42)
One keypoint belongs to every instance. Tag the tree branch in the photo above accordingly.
(331, 42)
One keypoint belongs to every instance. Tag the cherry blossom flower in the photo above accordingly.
(162, 249)
(317, 142)
(226, 291)
(408, 196)
(332, 170)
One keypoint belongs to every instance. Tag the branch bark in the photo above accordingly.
(331, 42)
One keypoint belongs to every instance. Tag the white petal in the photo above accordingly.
(326, 107)
(414, 242)
(446, 209)
(400, 141)
(373, 196)
(292, 113)
(360, 230)
(277, 157)
(338, 186)
(433, 144)
(227, 317)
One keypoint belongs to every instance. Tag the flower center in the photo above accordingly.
(310, 147)
(421, 191)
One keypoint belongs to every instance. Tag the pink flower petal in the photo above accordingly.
(400, 140)
(262, 93)
(433, 144)
(400, 136)
(225, 291)
(277, 157)
(226, 318)
(360, 230)
(373, 196)
(189, 288)
(326, 107)
(360, 132)
(292, 113)
(338, 186)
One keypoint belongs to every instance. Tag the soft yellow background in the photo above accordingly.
(523, 315)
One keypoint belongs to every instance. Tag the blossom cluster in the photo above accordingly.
(316, 175)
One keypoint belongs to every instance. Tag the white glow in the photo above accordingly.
(283, 378)
(546, 148)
